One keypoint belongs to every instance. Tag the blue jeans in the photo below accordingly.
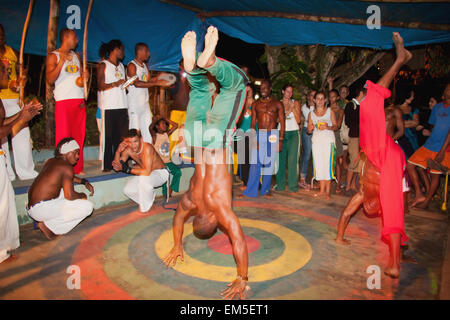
(262, 165)
(306, 152)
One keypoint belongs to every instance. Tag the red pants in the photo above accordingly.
(387, 156)
(70, 121)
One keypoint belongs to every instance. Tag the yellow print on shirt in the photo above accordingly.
(72, 68)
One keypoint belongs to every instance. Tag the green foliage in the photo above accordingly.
(292, 71)
(437, 60)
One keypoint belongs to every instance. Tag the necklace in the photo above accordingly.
(266, 99)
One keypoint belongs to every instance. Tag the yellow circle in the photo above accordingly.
(297, 253)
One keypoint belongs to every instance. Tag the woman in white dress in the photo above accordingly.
(322, 123)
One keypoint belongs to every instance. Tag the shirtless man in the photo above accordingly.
(267, 113)
(52, 200)
(209, 197)
(381, 187)
(149, 169)
(9, 227)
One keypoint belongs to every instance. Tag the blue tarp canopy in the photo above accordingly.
(162, 24)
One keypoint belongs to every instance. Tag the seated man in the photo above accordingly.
(149, 169)
(52, 200)
(435, 148)
(160, 132)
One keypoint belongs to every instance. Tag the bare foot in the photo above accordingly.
(423, 204)
(11, 258)
(46, 231)
(327, 197)
(242, 196)
(343, 241)
(393, 272)
(403, 55)
(188, 44)
(242, 188)
(418, 200)
(208, 57)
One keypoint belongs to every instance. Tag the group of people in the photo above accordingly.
(361, 135)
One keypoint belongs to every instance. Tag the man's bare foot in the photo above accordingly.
(46, 231)
(242, 188)
(343, 241)
(188, 47)
(403, 55)
(417, 200)
(208, 57)
(11, 258)
(242, 196)
(393, 272)
(423, 205)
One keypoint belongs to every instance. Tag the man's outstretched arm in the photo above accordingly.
(181, 215)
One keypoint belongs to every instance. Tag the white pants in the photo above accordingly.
(141, 118)
(61, 215)
(9, 226)
(23, 158)
(140, 189)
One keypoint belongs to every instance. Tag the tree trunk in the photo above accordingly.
(49, 100)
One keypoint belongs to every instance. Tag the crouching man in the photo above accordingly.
(148, 167)
(52, 200)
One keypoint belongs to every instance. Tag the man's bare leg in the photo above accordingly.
(208, 57)
(188, 50)
(351, 208)
(46, 231)
(415, 182)
(433, 187)
(393, 268)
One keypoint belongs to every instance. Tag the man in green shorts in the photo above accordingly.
(209, 127)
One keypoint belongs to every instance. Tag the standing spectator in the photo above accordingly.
(138, 97)
(352, 121)
(411, 120)
(322, 123)
(344, 91)
(290, 152)
(160, 132)
(63, 68)
(339, 115)
(9, 227)
(244, 126)
(21, 145)
(110, 76)
(306, 140)
(436, 147)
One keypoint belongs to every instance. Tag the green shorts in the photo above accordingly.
(212, 126)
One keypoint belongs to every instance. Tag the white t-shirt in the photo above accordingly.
(305, 111)
(114, 98)
(65, 86)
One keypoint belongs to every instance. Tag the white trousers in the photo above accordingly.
(140, 119)
(141, 189)
(23, 157)
(61, 215)
(9, 226)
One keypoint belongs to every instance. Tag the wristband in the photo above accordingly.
(84, 181)
(125, 167)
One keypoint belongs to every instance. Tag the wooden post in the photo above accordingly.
(52, 36)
